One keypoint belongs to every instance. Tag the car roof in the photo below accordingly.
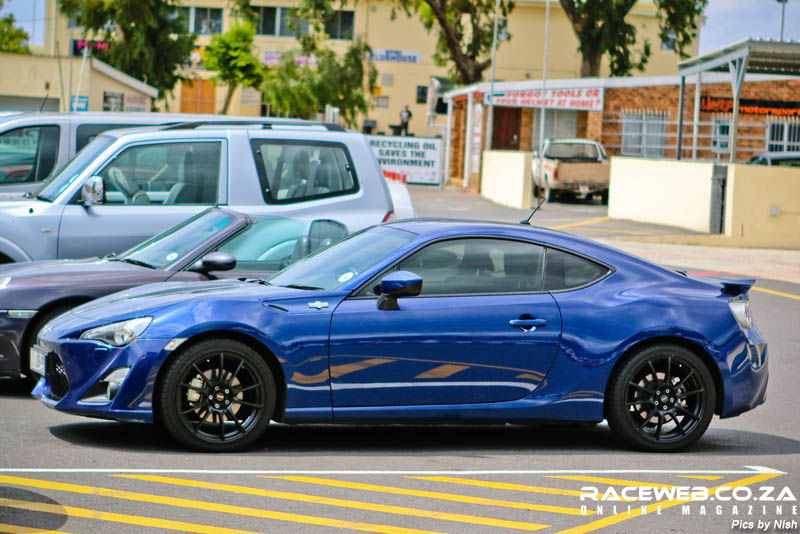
(199, 128)
(779, 155)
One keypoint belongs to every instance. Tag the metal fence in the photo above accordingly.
(654, 134)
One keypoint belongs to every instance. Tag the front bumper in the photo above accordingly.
(12, 331)
(85, 363)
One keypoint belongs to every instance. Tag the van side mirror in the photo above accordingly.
(398, 284)
(92, 191)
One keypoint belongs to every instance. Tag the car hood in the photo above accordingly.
(48, 268)
(154, 296)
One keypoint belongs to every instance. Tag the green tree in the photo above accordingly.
(231, 55)
(327, 78)
(602, 29)
(12, 39)
(149, 41)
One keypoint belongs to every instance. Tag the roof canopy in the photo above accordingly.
(750, 56)
(764, 57)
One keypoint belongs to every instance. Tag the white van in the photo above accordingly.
(35, 145)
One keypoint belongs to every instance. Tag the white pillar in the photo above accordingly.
(448, 142)
(468, 141)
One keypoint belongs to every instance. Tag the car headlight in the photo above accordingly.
(118, 334)
(4, 282)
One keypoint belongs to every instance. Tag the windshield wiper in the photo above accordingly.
(137, 262)
(298, 286)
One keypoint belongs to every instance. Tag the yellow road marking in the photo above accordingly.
(358, 505)
(701, 477)
(502, 485)
(141, 521)
(609, 481)
(17, 529)
(431, 495)
(203, 505)
(662, 505)
(581, 223)
(773, 292)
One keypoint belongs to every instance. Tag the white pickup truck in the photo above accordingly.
(571, 168)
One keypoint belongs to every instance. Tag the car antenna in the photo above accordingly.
(528, 220)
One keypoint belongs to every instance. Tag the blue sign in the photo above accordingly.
(79, 103)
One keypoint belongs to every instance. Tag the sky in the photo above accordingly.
(727, 21)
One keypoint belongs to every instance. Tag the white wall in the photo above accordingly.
(674, 193)
(506, 178)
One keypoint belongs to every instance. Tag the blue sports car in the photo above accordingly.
(422, 320)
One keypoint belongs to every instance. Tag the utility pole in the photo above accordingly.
(783, 14)
(544, 90)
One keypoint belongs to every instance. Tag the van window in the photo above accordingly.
(87, 132)
(164, 173)
(295, 171)
(28, 154)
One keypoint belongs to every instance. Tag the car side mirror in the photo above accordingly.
(92, 191)
(324, 232)
(398, 284)
(215, 261)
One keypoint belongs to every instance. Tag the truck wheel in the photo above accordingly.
(604, 197)
(549, 194)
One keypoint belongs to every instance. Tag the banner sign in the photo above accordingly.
(752, 106)
(590, 99)
(395, 56)
(415, 160)
(272, 58)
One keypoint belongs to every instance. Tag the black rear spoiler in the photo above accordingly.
(736, 287)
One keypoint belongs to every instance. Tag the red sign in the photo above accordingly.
(590, 99)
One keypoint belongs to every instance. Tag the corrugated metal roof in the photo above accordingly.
(764, 57)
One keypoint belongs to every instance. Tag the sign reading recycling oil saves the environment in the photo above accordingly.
(417, 159)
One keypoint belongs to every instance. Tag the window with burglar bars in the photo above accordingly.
(643, 134)
(783, 137)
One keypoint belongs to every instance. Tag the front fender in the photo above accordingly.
(13, 251)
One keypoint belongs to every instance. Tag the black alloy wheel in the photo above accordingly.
(217, 396)
(661, 399)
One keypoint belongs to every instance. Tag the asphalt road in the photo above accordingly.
(70, 474)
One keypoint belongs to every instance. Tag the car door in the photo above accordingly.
(482, 330)
(149, 187)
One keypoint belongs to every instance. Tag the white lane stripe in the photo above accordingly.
(750, 469)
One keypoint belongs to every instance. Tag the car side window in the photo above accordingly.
(28, 155)
(474, 266)
(568, 271)
(164, 173)
(296, 171)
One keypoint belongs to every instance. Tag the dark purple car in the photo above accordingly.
(216, 243)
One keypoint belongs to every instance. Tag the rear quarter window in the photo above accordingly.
(297, 171)
(567, 271)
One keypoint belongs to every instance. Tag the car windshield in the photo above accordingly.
(57, 183)
(172, 245)
(571, 150)
(335, 265)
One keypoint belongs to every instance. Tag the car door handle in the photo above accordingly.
(527, 325)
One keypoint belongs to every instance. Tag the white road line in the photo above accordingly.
(749, 470)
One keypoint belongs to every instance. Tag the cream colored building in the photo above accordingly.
(403, 52)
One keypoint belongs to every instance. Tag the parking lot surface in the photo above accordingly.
(69, 474)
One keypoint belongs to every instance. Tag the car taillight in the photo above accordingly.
(388, 217)
(555, 173)
(741, 312)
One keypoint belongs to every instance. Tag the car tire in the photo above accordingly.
(217, 396)
(549, 194)
(661, 399)
(36, 326)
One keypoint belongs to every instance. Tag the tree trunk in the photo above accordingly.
(228, 98)
(590, 66)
